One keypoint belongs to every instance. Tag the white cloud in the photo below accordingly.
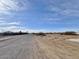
(6, 6)
(17, 28)
(70, 12)
(11, 5)
(5, 23)
(2, 21)
(14, 23)
(65, 7)
(54, 8)
(52, 20)
(69, 29)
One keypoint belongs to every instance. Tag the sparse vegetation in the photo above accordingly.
(8, 33)
(40, 34)
(69, 33)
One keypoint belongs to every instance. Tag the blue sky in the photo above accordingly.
(39, 15)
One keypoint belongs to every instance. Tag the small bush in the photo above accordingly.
(70, 33)
(8, 33)
(41, 34)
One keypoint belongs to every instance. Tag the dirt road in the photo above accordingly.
(34, 47)
(19, 47)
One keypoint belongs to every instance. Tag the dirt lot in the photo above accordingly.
(57, 46)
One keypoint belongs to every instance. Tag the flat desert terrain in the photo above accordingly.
(51, 46)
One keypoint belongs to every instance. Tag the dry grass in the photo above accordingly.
(56, 46)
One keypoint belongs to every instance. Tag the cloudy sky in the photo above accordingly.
(39, 15)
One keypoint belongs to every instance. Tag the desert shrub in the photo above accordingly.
(41, 34)
(70, 33)
(13, 33)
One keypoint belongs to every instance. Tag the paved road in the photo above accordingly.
(16, 47)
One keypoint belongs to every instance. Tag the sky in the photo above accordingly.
(39, 15)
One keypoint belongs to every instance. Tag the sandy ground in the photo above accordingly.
(59, 46)
(39, 47)
(74, 40)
